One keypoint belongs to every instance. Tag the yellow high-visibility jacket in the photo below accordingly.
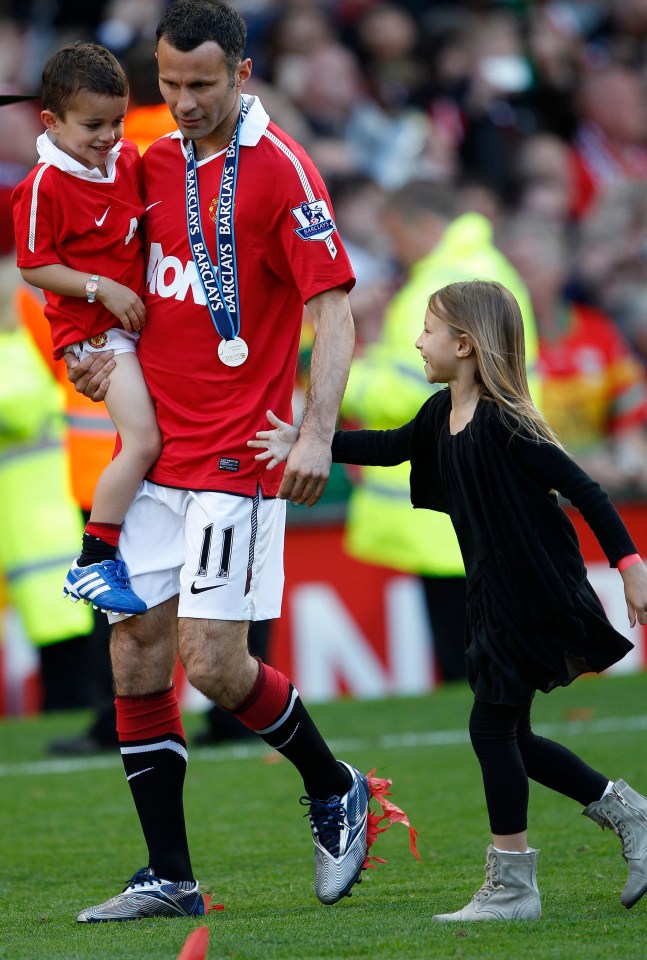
(386, 388)
(90, 433)
(40, 524)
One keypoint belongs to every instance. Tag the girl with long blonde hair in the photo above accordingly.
(482, 452)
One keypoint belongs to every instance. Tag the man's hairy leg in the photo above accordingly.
(144, 651)
(216, 659)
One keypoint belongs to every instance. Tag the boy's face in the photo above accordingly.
(92, 125)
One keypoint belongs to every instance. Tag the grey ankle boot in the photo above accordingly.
(509, 892)
(625, 812)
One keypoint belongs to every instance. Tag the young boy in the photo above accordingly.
(76, 218)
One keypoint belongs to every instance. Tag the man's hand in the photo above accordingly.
(90, 376)
(306, 471)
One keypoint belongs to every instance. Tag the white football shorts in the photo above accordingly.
(222, 553)
(117, 339)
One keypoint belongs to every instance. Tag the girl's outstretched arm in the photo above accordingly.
(377, 448)
(275, 444)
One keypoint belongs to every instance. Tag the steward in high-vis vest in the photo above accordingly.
(89, 442)
(387, 386)
(40, 523)
(90, 435)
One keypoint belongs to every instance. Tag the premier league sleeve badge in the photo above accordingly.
(314, 219)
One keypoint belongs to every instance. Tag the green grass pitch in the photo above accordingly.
(69, 838)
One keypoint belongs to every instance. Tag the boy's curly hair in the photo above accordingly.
(80, 66)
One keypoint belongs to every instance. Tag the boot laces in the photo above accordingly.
(491, 884)
(116, 574)
(327, 819)
(620, 828)
(142, 877)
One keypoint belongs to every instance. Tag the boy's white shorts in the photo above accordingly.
(222, 553)
(117, 339)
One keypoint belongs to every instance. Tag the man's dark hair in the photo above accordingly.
(187, 24)
(80, 66)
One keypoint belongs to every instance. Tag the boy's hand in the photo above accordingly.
(635, 582)
(275, 444)
(90, 376)
(123, 302)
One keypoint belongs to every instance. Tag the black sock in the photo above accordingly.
(296, 737)
(155, 773)
(153, 750)
(95, 550)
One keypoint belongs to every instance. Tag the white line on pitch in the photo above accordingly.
(397, 741)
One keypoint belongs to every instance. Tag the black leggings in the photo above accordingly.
(509, 753)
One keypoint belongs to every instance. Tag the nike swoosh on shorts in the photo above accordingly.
(215, 586)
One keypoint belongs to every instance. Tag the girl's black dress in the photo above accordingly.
(533, 620)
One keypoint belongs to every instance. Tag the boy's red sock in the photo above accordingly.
(109, 532)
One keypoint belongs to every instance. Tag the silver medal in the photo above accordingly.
(233, 352)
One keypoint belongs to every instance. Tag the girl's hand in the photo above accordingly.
(123, 303)
(635, 581)
(275, 444)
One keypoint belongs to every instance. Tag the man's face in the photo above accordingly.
(198, 87)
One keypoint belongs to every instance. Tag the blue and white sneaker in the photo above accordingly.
(106, 586)
(146, 895)
(339, 835)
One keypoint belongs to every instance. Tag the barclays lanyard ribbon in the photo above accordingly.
(221, 288)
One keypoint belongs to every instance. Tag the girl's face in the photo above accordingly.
(439, 349)
(92, 125)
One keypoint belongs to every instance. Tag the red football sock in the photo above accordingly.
(266, 700)
(151, 717)
(108, 532)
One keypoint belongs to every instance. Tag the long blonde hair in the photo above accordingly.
(487, 314)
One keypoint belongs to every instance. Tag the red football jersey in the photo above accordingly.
(88, 223)
(288, 250)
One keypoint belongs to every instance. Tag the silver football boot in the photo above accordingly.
(339, 835)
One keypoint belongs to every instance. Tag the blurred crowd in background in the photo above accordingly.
(533, 114)
(530, 117)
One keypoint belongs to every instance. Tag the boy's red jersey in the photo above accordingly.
(87, 224)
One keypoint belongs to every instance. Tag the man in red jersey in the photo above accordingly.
(239, 236)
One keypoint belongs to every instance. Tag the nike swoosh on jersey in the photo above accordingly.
(215, 586)
(151, 205)
(99, 223)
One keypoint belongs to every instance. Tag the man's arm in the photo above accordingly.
(308, 465)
